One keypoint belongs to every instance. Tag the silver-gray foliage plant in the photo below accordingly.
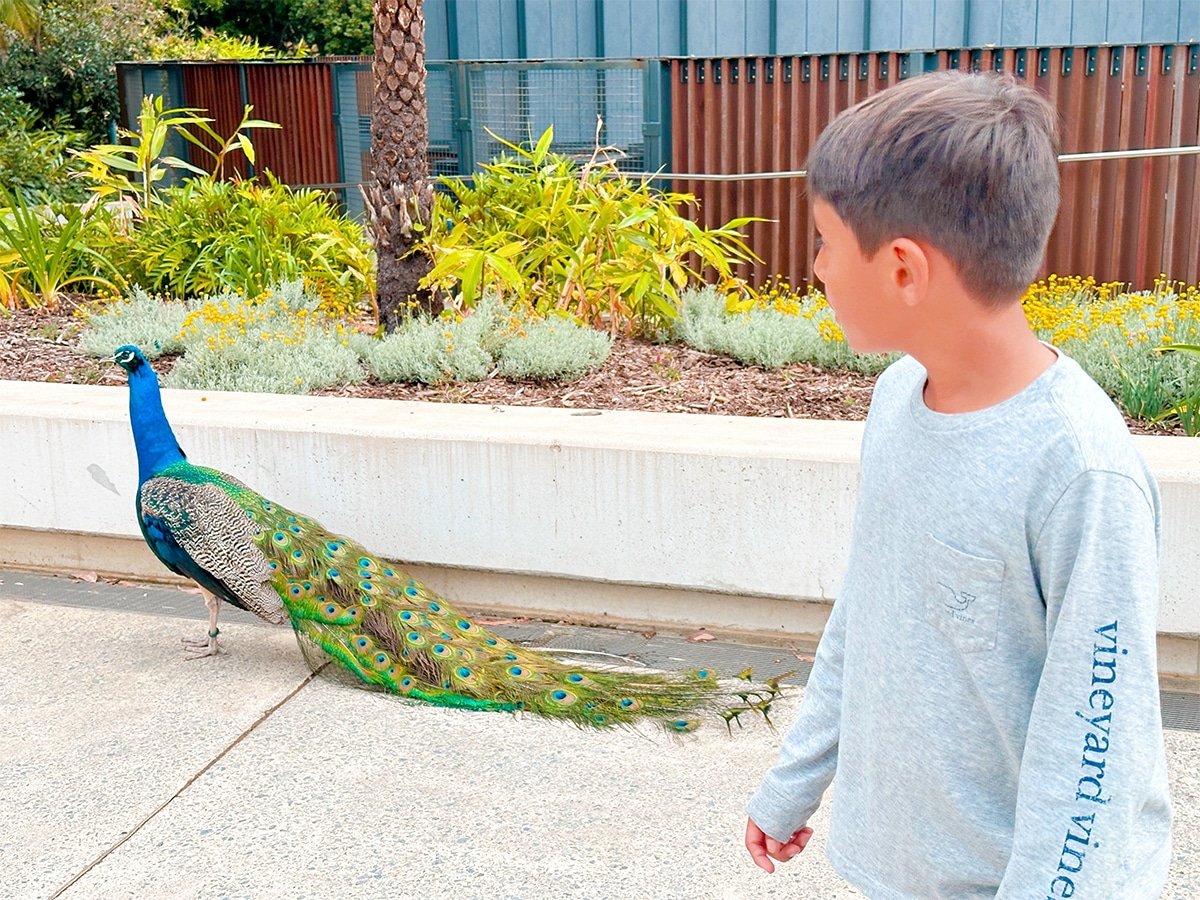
(148, 322)
(765, 337)
(554, 349)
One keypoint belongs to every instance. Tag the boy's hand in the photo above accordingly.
(764, 848)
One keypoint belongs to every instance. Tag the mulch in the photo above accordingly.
(36, 345)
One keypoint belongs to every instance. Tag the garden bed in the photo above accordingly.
(36, 345)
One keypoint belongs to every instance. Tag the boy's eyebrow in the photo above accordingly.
(819, 241)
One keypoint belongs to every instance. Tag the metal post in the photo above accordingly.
(656, 116)
(460, 106)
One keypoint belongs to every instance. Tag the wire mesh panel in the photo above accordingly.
(518, 101)
(439, 99)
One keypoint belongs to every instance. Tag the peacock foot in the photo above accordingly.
(199, 648)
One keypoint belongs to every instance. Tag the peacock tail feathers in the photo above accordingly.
(390, 630)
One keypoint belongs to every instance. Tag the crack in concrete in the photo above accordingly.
(212, 762)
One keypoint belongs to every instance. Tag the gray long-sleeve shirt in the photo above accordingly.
(986, 688)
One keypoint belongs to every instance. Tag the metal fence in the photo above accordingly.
(324, 106)
(1121, 219)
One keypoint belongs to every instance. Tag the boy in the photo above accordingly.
(986, 688)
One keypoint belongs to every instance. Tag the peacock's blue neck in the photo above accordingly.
(156, 445)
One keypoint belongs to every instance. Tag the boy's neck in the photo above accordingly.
(980, 359)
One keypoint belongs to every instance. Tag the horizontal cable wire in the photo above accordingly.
(1095, 155)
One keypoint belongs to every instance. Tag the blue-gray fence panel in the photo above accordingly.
(791, 26)
(437, 31)
(917, 19)
(646, 29)
(1189, 20)
(575, 29)
(1160, 20)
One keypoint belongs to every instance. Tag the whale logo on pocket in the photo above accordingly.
(955, 599)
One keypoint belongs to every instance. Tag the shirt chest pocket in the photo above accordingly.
(962, 594)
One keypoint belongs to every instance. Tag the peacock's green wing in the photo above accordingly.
(193, 524)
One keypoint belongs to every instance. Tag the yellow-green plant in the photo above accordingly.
(1186, 409)
(543, 231)
(210, 44)
(44, 251)
(209, 237)
(130, 171)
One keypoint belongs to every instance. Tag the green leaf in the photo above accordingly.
(543, 146)
(247, 147)
(471, 276)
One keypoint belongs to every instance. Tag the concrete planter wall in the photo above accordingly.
(694, 520)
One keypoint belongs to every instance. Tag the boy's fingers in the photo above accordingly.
(794, 846)
(756, 844)
(759, 855)
(786, 852)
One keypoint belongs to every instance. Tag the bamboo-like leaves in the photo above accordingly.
(132, 171)
(611, 250)
(43, 251)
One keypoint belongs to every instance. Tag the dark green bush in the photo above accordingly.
(34, 161)
(69, 70)
(334, 26)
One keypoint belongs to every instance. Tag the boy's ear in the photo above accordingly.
(909, 270)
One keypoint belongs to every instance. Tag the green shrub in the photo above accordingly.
(490, 338)
(434, 351)
(131, 170)
(210, 44)
(207, 237)
(36, 162)
(150, 323)
(543, 232)
(69, 70)
(43, 251)
(766, 336)
(278, 342)
(555, 349)
(335, 26)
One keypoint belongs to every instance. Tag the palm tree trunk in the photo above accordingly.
(401, 194)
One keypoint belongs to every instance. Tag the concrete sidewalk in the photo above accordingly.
(127, 772)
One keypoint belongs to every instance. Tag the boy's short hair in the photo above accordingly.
(965, 162)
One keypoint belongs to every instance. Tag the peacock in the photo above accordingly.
(364, 613)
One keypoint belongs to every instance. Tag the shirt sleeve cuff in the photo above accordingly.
(779, 816)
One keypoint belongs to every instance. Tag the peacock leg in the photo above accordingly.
(198, 648)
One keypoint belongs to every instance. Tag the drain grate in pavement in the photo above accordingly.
(1180, 709)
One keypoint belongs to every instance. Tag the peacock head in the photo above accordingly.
(129, 358)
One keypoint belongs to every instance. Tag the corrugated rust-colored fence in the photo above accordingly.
(1123, 220)
(298, 96)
